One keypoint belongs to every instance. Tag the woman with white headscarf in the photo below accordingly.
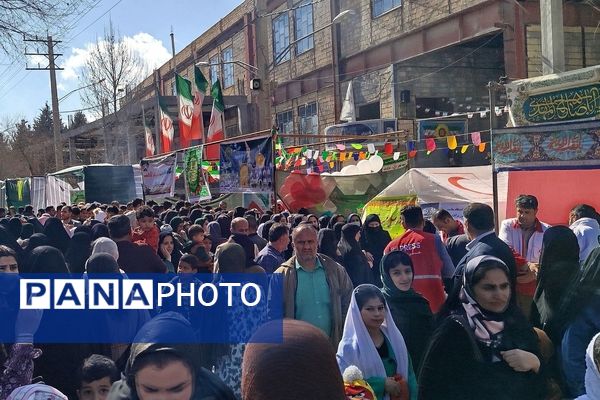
(372, 342)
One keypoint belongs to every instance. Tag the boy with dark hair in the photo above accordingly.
(96, 376)
(195, 235)
(146, 232)
(111, 211)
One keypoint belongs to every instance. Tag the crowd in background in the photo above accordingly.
(447, 310)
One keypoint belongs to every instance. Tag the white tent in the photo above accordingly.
(433, 188)
(443, 185)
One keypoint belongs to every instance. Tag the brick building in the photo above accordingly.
(406, 59)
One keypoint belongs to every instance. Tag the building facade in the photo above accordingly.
(406, 59)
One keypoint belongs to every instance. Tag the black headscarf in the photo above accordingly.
(83, 228)
(176, 254)
(266, 228)
(7, 239)
(15, 226)
(248, 246)
(169, 215)
(57, 235)
(374, 240)
(352, 257)
(37, 225)
(327, 242)
(99, 230)
(195, 214)
(333, 220)
(27, 231)
(324, 221)
(559, 266)
(36, 240)
(225, 223)
(353, 215)
(79, 251)
(46, 260)
(337, 228)
(101, 263)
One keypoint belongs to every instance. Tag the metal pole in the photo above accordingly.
(492, 93)
(58, 157)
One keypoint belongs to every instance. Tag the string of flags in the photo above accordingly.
(324, 161)
(470, 114)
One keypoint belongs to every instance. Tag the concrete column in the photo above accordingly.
(553, 43)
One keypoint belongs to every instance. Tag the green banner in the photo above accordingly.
(18, 192)
(196, 187)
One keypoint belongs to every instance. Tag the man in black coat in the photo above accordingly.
(479, 225)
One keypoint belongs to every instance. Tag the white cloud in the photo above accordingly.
(151, 50)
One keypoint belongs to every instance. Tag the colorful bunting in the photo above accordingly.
(482, 147)
(356, 146)
(388, 148)
(452, 142)
(410, 146)
(464, 149)
(430, 145)
(341, 146)
(476, 138)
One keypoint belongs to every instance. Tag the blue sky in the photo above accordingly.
(145, 23)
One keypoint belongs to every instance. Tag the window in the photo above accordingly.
(383, 6)
(304, 27)
(227, 56)
(307, 116)
(285, 122)
(214, 68)
(281, 39)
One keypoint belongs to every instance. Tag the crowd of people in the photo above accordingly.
(447, 310)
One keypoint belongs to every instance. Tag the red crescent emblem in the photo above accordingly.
(196, 98)
(453, 180)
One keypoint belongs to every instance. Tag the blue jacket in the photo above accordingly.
(574, 343)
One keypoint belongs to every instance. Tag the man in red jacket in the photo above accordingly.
(429, 256)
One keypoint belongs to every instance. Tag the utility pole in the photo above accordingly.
(553, 41)
(58, 156)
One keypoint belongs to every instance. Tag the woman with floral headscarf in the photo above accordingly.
(484, 348)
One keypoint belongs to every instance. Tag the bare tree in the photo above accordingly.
(34, 17)
(113, 66)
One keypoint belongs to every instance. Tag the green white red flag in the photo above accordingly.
(166, 127)
(150, 149)
(186, 110)
(215, 129)
(199, 91)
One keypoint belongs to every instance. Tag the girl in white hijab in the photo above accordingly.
(372, 342)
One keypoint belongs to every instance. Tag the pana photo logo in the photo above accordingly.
(129, 294)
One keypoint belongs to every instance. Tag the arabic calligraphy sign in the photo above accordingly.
(558, 143)
(565, 105)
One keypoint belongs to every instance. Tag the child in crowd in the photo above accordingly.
(188, 267)
(96, 376)
(147, 232)
(195, 235)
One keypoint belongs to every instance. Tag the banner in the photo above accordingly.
(247, 166)
(388, 210)
(258, 201)
(18, 192)
(551, 144)
(109, 183)
(432, 128)
(196, 187)
(568, 96)
(158, 177)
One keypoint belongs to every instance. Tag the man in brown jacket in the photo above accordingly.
(316, 289)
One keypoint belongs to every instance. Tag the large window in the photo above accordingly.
(227, 57)
(304, 27)
(214, 68)
(383, 6)
(307, 117)
(285, 124)
(281, 39)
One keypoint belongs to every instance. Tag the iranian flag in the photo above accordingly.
(199, 91)
(150, 149)
(186, 110)
(166, 127)
(215, 129)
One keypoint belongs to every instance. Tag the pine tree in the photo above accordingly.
(79, 119)
(42, 124)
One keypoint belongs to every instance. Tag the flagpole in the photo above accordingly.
(273, 146)
(157, 115)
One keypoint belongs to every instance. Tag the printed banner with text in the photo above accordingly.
(158, 177)
(196, 187)
(247, 166)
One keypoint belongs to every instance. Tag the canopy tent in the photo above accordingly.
(433, 188)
